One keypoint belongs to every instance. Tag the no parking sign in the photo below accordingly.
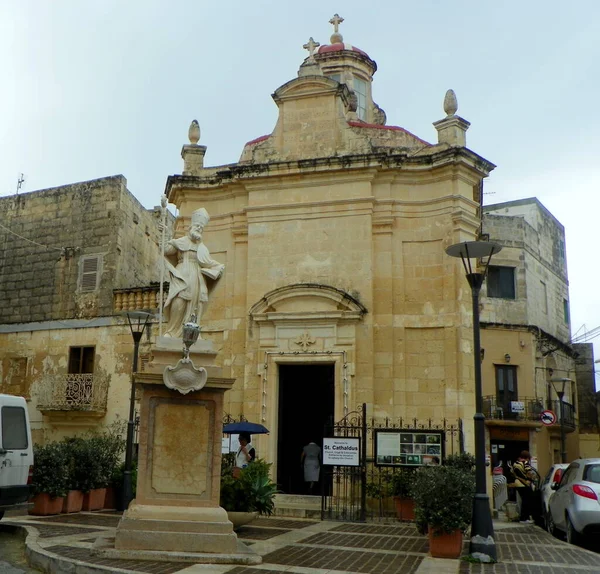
(548, 418)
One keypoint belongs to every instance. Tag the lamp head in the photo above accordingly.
(191, 332)
(563, 380)
(468, 250)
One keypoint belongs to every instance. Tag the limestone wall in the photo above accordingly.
(534, 244)
(43, 355)
(54, 231)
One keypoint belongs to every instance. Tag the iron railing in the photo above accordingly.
(568, 412)
(73, 392)
(521, 409)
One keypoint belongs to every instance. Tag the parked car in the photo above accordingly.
(16, 452)
(552, 476)
(574, 508)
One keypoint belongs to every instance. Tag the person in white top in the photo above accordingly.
(311, 463)
(245, 454)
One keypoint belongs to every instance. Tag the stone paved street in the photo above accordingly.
(531, 550)
(311, 547)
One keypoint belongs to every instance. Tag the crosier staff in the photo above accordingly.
(163, 205)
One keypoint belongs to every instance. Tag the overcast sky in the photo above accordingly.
(91, 89)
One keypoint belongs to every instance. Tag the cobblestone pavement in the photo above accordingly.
(313, 547)
(286, 545)
(531, 550)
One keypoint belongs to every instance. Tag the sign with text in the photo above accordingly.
(408, 447)
(341, 451)
(517, 406)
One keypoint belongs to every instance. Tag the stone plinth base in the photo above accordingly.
(176, 529)
(242, 554)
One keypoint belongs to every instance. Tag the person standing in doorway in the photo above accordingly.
(524, 482)
(310, 459)
(245, 454)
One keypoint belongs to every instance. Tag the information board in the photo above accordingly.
(341, 451)
(408, 447)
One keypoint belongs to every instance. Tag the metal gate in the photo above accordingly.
(364, 491)
(344, 488)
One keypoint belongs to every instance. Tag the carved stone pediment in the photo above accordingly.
(184, 377)
(305, 301)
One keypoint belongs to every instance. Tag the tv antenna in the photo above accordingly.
(20, 182)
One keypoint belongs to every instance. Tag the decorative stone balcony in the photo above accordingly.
(85, 393)
(138, 298)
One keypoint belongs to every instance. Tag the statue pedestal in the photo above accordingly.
(176, 513)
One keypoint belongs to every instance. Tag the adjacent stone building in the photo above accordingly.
(63, 251)
(526, 335)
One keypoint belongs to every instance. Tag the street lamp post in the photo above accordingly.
(482, 528)
(561, 413)
(137, 324)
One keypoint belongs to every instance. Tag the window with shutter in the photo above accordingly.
(90, 273)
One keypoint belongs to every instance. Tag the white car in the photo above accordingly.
(552, 476)
(574, 508)
(16, 452)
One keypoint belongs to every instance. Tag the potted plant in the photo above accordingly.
(116, 483)
(73, 500)
(402, 482)
(49, 480)
(251, 494)
(379, 490)
(109, 446)
(443, 504)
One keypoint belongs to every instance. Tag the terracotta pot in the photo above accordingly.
(442, 545)
(240, 518)
(405, 508)
(94, 499)
(43, 505)
(73, 501)
(110, 501)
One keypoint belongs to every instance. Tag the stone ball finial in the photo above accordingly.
(194, 132)
(336, 37)
(450, 103)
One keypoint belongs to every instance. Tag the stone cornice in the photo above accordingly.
(242, 173)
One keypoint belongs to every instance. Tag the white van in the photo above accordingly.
(16, 452)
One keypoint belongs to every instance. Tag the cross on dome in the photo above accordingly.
(311, 46)
(336, 37)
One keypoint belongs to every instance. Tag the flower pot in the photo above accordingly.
(43, 505)
(73, 501)
(442, 545)
(240, 518)
(94, 499)
(110, 501)
(405, 508)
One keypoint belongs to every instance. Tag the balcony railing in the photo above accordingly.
(526, 409)
(523, 409)
(568, 412)
(82, 392)
(138, 298)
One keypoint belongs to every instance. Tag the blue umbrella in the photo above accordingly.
(244, 426)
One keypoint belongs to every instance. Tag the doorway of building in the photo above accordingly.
(306, 404)
(505, 453)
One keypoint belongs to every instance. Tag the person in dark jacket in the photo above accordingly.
(526, 484)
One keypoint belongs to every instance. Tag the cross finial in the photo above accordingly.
(336, 37)
(311, 46)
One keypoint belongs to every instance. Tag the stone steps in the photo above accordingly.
(297, 506)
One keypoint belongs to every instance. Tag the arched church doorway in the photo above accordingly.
(306, 403)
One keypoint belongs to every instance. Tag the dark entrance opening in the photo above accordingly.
(506, 453)
(306, 403)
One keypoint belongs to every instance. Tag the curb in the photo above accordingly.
(52, 563)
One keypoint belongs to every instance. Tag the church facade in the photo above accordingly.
(337, 290)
